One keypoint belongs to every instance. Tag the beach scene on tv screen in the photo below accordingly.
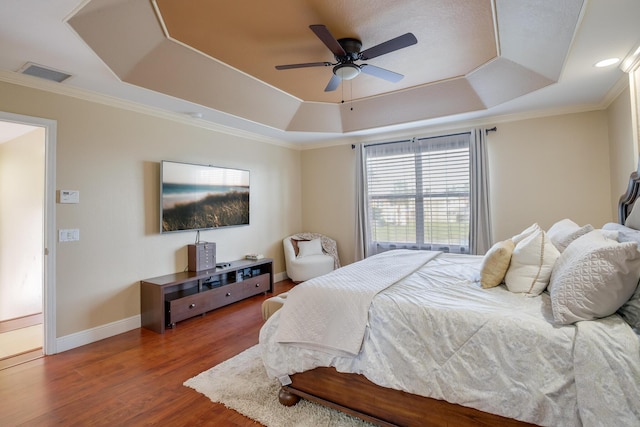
(196, 197)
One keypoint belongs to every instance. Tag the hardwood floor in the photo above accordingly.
(134, 378)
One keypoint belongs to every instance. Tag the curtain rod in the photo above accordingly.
(353, 146)
(383, 143)
(409, 140)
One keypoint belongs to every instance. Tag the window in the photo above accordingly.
(418, 193)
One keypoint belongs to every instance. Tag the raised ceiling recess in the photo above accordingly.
(468, 56)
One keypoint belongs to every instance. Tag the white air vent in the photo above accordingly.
(36, 70)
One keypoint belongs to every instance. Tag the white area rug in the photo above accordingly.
(241, 383)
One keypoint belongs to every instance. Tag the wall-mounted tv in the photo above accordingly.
(200, 197)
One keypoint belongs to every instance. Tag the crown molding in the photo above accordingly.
(437, 125)
(86, 95)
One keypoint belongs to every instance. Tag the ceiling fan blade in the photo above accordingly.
(305, 65)
(325, 36)
(399, 42)
(372, 70)
(333, 84)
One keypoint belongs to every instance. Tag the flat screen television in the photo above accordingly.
(201, 197)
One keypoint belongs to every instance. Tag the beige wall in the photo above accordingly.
(541, 170)
(547, 169)
(622, 156)
(112, 156)
(21, 225)
(328, 196)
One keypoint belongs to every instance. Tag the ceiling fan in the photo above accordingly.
(347, 51)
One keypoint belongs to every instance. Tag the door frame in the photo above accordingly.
(49, 227)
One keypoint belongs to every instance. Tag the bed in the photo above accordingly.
(415, 338)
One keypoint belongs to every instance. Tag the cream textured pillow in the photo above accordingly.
(310, 247)
(526, 232)
(532, 260)
(593, 278)
(565, 231)
(495, 263)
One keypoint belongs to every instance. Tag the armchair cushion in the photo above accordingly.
(294, 243)
(309, 247)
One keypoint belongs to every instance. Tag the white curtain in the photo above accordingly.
(362, 210)
(480, 218)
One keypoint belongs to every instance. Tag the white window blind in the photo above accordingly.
(418, 193)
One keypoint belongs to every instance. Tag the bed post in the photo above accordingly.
(286, 398)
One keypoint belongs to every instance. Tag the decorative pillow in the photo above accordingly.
(532, 260)
(633, 220)
(310, 247)
(566, 231)
(526, 232)
(593, 278)
(495, 263)
(294, 243)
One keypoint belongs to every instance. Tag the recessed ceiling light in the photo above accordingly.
(607, 62)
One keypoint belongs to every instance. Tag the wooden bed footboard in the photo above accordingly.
(355, 395)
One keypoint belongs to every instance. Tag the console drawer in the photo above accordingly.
(226, 294)
(188, 306)
(257, 285)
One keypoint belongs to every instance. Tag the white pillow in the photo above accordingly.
(311, 247)
(593, 278)
(565, 231)
(633, 220)
(531, 263)
(495, 264)
(526, 232)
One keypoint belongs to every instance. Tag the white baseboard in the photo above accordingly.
(98, 333)
(279, 277)
(105, 331)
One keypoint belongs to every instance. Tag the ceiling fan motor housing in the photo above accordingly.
(351, 47)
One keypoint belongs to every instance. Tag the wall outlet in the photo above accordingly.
(68, 235)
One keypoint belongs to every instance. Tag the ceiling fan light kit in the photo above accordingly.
(346, 71)
(347, 50)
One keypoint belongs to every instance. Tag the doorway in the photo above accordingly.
(27, 292)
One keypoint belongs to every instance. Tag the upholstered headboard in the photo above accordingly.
(626, 201)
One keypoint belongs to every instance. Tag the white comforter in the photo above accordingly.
(437, 333)
(318, 310)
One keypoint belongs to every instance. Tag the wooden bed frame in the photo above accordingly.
(625, 204)
(355, 395)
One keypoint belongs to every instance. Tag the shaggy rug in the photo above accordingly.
(241, 383)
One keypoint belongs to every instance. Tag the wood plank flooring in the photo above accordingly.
(135, 378)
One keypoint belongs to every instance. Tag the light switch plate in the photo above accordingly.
(68, 235)
(69, 196)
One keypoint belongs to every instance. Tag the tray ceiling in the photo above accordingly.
(470, 56)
